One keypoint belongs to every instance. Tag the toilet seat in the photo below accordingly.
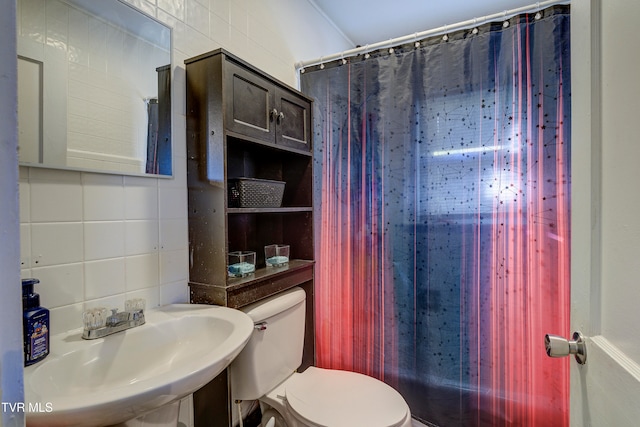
(331, 398)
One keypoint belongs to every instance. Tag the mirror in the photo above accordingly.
(94, 87)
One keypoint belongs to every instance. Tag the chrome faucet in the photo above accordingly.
(97, 324)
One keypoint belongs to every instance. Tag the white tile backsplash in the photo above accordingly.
(103, 239)
(55, 196)
(142, 271)
(24, 189)
(172, 265)
(65, 318)
(61, 284)
(173, 293)
(150, 295)
(173, 204)
(141, 237)
(173, 234)
(56, 243)
(104, 278)
(25, 245)
(140, 198)
(114, 301)
(103, 197)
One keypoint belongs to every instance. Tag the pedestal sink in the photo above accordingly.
(123, 376)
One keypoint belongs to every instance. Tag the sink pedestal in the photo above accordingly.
(164, 416)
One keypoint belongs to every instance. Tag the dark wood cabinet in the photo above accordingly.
(242, 123)
(260, 109)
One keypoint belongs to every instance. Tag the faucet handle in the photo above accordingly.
(94, 318)
(135, 304)
(114, 311)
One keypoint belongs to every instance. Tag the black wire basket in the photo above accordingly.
(255, 193)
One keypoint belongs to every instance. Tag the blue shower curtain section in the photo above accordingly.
(442, 194)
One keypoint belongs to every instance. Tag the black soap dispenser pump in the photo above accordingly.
(35, 324)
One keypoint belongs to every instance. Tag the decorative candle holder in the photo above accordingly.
(276, 255)
(241, 263)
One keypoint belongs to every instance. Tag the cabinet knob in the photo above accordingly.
(280, 117)
(274, 114)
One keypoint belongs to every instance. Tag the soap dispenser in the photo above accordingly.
(35, 324)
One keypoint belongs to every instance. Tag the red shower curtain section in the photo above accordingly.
(514, 379)
(355, 330)
(527, 293)
(474, 242)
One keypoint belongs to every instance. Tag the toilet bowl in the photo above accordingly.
(331, 398)
(266, 370)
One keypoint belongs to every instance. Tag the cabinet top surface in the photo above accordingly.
(267, 273)
(233, 58)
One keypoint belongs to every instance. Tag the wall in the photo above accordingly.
(11, 389)
(96, 240)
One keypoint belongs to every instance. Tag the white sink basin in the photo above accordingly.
(122, 376)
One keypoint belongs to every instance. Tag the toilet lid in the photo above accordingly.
(332, 398)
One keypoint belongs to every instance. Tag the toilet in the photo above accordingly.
(266, 370)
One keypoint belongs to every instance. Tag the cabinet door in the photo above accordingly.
(293, 120)
(249, 104)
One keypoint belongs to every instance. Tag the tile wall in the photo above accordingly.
(98, 239)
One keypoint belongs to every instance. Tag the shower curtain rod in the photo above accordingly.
(424, 34)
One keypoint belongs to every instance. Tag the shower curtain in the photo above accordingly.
(442, 194)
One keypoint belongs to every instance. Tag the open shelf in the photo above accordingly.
(250, 160)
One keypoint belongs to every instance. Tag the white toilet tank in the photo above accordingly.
(274, 353)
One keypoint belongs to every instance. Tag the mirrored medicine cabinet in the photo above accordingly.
(94, 87)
